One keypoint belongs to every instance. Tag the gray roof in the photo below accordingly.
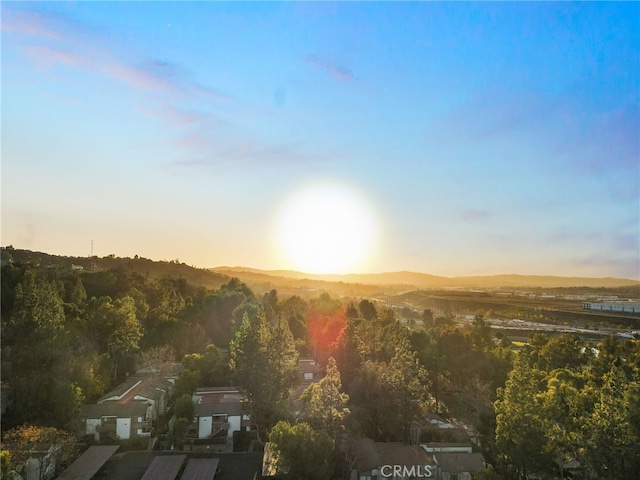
(228, 390)
(164, 467)
(459, 462)
(121, 389)
(87, 465)
(143, 386)
(370, 455)
(200, 469)
(207, 409)
(110, 409)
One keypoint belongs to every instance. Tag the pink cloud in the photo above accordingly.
(28, 23)
(175, 116)
(48, 57)
(332, 69)
(138, 78)
(62, 42)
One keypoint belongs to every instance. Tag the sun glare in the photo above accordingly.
(325, 229)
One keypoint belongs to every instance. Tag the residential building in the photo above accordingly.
(151, 389)
(310, 370)
(397, 461)
(220, 411)
(458, 466)
(116, 421)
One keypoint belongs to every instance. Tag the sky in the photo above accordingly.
(360, 137)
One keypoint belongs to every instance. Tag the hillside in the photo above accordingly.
(304, 284)
(422, 280)
(144, 266)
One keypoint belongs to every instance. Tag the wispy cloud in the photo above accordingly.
(475, 216)
(30, 24)
(186, 109)
(625, 266)
(331, 68)
(53, 41)
(174, 116)
(490, 115)
(603, 140)
(214, 149)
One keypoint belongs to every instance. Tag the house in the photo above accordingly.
(151, 389)
(379, 460)
(129, 410)
(220, 411)
(434, 428)
(118, 421)
(458, 465)
(310, 370)
(456, 461)
(448, 447)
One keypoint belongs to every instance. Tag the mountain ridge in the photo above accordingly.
(409, 278)
(214, 277)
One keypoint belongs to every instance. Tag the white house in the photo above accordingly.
(120, 421)
(220, 411)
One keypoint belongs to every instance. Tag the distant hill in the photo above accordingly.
(423, 280)
(289, 282)
(144, 266)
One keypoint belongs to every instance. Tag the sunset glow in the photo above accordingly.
(480, 138)
(325, 229)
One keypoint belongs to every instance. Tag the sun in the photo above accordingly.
(325, 228)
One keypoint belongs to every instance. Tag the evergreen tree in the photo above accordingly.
(324, 406)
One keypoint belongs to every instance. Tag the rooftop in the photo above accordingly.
(370, 455)
(111, 409)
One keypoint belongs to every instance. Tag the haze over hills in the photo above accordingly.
(423, 280)
(266, 279)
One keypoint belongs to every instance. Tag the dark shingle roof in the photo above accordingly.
(110, 409)
(459, 462)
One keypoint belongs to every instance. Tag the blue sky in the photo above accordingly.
(484, 138)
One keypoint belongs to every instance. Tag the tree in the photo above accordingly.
(24, 441)
(613, 434)
(179, 431)
(184, 407)
(427, 317)
(520, 435)
(44, 391)
(5, 465)
(481, 332)
(302, 453)
(38, 316)
(211, 366)
(186, 383)
(323, 405)
(564, 351)
(264, 361)
(125, 331)
(406, 380)
(373, 411)
(367, 309)
(562, 416)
